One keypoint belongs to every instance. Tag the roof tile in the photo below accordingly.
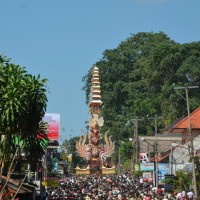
(194, 118)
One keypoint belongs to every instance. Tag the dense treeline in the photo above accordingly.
(137, 80)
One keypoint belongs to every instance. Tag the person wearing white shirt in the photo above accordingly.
(179, 195)
(190, 195)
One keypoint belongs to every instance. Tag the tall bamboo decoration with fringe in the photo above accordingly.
(95, 152)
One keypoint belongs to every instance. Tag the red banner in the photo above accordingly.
(53, 120)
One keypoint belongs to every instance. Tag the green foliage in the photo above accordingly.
(70, 145)
(137, 173)
(137, 79)
(126, 166)
(126, 150)
(23, 103)
(182, 181)
(168, 181)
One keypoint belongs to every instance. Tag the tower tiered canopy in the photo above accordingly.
(95, 154)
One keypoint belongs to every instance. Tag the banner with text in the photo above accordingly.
(53, 121)
(145, 167)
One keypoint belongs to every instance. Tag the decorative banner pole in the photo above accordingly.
(94, 153)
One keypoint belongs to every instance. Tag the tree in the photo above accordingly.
(70, 147)
(137, 79)
(126, 152)
(22, 105)
(34, 130)
(182, 181)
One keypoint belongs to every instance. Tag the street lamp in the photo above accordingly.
(186, 88)
(155, 161)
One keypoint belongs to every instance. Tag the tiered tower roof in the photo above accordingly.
(96, 89)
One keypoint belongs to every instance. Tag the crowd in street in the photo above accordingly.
(110, 187)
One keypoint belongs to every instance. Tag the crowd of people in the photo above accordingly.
(110, 187)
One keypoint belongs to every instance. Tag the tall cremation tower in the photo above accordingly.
(97, 151)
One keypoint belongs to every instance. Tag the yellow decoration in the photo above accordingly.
(44, 183)
(70, 157)
(108, 170)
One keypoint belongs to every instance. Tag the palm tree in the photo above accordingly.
(11, 105)
(33, 129)
(23, 103)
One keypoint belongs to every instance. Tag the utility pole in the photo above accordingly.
(171, 160)
(156, 149)
(186, 88)
(136, 140)
(119, 159)
(155, 146)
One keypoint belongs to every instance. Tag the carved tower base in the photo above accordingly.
(88, 171)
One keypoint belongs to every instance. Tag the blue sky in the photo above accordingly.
(62, 39)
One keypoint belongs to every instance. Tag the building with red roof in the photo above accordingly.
(182, 126)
